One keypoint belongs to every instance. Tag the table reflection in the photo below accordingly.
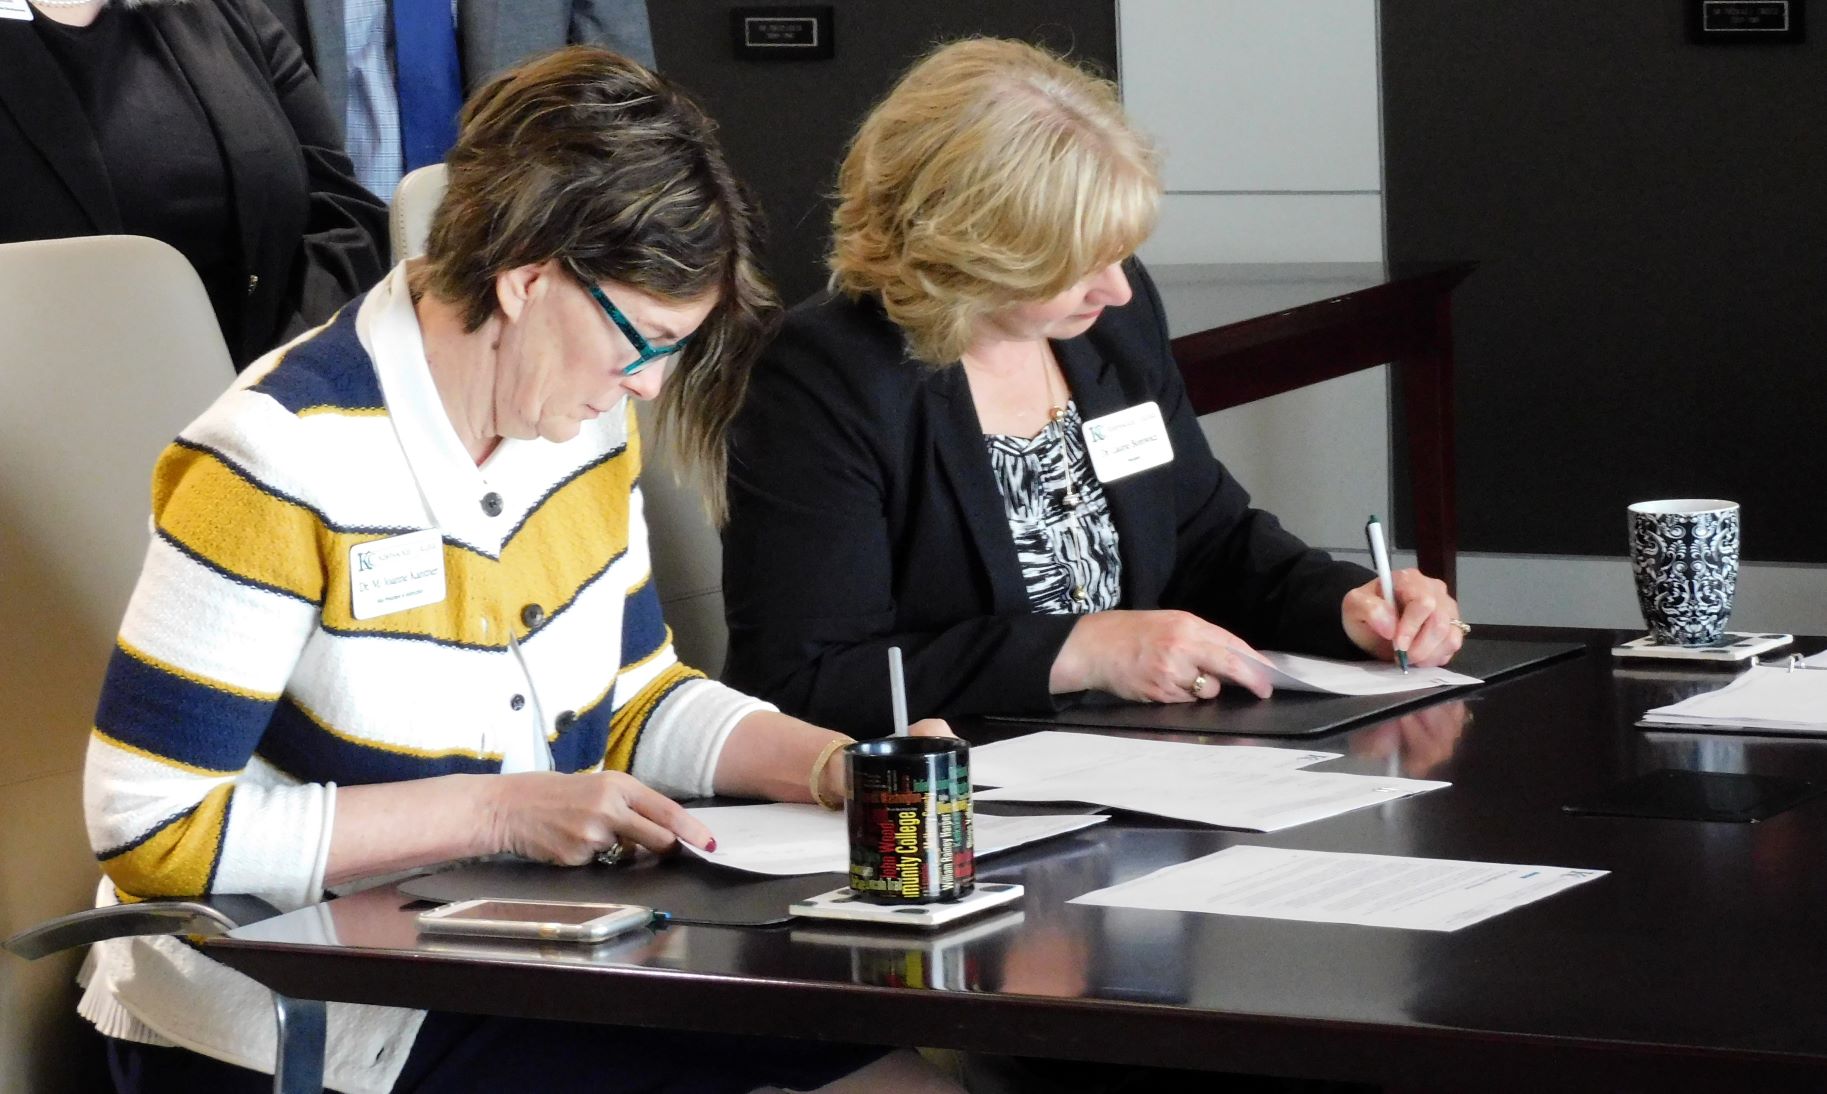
(946, 959)
(1417, 744)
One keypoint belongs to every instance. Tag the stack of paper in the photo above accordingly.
(1051, 753)
(1764, 698)
(784, 839)
(1337, 887)
(1232, 786)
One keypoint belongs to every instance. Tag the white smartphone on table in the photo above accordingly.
(551, 920)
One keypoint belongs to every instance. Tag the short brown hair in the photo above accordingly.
(589, 159)
(994, 173)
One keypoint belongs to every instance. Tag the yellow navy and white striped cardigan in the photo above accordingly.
(243, 689)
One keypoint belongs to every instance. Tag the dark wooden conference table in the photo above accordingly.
(1699, 963)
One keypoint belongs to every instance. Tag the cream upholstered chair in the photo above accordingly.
(110, 347)
(409, 216)
(687, 562)
(687, 553)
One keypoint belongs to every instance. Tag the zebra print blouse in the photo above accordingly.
(1068, 555)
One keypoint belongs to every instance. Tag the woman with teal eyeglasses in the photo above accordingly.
(645, 352)
(398, 607)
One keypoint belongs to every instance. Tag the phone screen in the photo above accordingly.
(533, 912)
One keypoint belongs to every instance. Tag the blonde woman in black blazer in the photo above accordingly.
(195, 122)
(984, 300)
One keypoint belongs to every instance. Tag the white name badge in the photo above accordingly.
(15, 9)
(1131, 440)
(393, 574)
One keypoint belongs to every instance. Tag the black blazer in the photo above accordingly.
(863, 515)
(309, 234)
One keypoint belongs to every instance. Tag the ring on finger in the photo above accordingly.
(1198, 684)
(616, 853)
(1461, 626)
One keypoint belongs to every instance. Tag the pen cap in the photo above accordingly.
(1379, 557)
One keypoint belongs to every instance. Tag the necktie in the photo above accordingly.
(430, 81)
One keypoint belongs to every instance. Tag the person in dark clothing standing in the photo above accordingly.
(195, 122)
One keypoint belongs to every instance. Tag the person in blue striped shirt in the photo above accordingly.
(398, 606)
(369, 55)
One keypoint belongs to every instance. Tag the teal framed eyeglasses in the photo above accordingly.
(646, 353)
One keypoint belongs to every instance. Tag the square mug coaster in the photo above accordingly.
(844, 904)
(1731, 648)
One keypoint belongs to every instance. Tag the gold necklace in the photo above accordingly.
(1056, 413)
(1058, 408)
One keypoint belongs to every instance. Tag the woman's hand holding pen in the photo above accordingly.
(568, 818)
(931, 727)
(1155, 656)
(544, 815)
(1424, 627)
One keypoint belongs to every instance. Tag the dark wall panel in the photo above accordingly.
(785, 124)
(1651, 318)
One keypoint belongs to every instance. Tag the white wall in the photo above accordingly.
(1269, 117)
(1561, 591)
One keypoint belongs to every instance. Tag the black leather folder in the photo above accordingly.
(1236, 712)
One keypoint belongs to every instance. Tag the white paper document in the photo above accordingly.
(1332, 887)
(1295, 672)
(787, 839)
(1051, 753)
(1201, 784)
(1816, 659)
(1762, 698)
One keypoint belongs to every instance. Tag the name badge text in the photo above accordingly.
(394, 574)
(1129, 441)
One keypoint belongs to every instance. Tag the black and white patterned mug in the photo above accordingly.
(1684, 553)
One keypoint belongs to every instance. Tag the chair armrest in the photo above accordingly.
(299, 1061)
(205, 916)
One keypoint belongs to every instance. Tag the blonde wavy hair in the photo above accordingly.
(994, 173)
